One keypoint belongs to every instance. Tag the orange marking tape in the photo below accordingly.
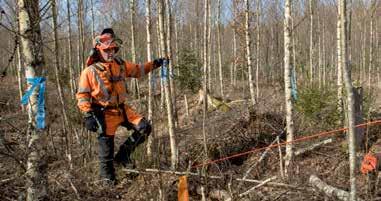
(326, 133)
(183, 194)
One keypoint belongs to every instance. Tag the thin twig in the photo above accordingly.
(73, 187)
(257, 186)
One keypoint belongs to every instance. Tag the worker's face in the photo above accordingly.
(108, 54)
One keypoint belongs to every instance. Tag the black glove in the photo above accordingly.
(144, 127)
(159, 62)
(91, 122)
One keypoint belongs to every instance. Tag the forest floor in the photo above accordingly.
(228, 132)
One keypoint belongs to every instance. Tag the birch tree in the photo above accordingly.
(234, 66)
(150, 84)
(312, 46)
(371, 37)
(350, 98)
(168, 99)
(287, 83)
(31, 41)
(248, 52)
(170, 55)
(219, 49)
(70, 52)
(134, 81)
(66, 126)
(339, 74)
(258, 45)
(81, 42)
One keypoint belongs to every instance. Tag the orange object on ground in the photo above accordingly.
(369, 163)
(183, 194)
(104, 84)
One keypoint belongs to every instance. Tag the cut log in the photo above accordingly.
(312, 147)
(329, 190)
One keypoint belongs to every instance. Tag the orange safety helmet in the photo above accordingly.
(105, 40)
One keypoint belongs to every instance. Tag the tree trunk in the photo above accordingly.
(288, 90)
(329, 190)
(371, 43)
(234, 78)
(205, 87)
(248, 52)
(20, 64)
(134, 81)
(31, 41)
(81, 33)
(150, 84)
(70, 53)
(350, 99)
(170, 55)
(209, 46)
(219, 49)
(311, 40)
(319, 66)
(168, 99)
(66, 125)
(258, 45)
(340, 104)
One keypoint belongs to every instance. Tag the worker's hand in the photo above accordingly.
(91, 122)
(159, 62)
(144, 127)
(369, 163)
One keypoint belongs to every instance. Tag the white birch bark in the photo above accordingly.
(209, 46)
(258, 45)
(219, 49)
(205, 73)
(371, 37)
(248, 52)
(19, 67)
(350, 99)
(340, 101)
(31, 41)
(170, 55)
(311, 6)
(168, 99)
(234, 78)
(150, 84)
(329, 190)
(287, 83)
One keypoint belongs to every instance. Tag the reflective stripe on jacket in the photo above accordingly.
(104, 83)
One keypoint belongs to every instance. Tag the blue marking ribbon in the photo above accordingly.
(294, 87)
(164, 70)
(40, 116)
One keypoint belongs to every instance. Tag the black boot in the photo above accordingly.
(123, 156)
(106, 156)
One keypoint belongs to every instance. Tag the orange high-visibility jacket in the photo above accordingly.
(104, 83)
